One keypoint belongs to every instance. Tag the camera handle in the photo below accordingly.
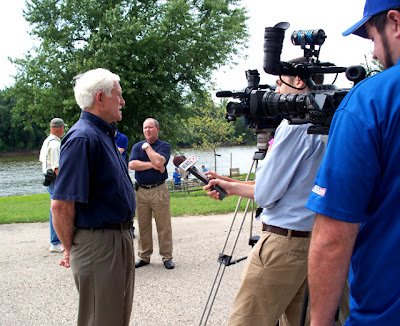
(225, 260)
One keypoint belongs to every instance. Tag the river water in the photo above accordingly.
(22, 175)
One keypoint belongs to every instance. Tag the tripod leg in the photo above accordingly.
(219, 274)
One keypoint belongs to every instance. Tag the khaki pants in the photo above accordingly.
(154, 201)
(104, 273)
(273, 282)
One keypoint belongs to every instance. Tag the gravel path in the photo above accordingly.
(35, 290)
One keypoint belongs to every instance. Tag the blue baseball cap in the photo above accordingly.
(372, 7)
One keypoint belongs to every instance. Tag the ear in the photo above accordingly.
(393, 18)
(99, 97)
(298, 82)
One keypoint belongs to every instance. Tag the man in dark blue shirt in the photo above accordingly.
(94, 203)
(149, 159)
(122, 143)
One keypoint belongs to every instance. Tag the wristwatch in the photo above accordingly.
(145, 145)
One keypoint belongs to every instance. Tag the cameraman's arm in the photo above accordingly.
(232, 188)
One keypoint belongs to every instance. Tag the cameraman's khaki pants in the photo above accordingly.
(154, 201)
(273, 282)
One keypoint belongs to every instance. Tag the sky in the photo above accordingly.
(332, 17)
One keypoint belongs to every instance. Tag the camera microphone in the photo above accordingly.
(188, 165)
(224, 94)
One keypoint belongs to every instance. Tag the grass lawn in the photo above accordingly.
(35, 208)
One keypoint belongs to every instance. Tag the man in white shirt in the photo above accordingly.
(50, 157)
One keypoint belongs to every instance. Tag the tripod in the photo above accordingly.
(224, 260)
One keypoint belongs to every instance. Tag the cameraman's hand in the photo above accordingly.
(213, 193)
(212, 175)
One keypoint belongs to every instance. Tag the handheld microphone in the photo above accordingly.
(188, 165)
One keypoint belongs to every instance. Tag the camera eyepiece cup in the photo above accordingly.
(273, 42)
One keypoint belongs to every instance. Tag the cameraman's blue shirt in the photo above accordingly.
(359, 182)
(151, 176)
(284, 180)
(94, 175)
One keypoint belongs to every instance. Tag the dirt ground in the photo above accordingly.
(35, 290)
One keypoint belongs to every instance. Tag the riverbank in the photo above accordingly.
(36, 291)
(21, 152)
(22, 175)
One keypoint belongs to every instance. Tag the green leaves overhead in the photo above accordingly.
(162, 50)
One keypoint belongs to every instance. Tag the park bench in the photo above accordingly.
(234, 172)
(187, 186)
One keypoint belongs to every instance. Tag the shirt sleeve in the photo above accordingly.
(165, 150)
(273, 177)
(123, 143)
(73, 179)
(135, 152)
(350, 169)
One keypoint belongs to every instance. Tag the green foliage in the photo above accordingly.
(208, 128)
(162, 50)
(14, 134)
(372, 67)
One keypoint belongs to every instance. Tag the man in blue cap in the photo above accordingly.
(357, 189)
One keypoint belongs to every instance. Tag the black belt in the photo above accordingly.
(151, 186)
(118, 226)
(285, 232)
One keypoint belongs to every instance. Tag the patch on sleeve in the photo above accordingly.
(319, 191)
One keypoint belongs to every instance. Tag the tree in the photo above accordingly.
(13, 134)
(162, 50)
(372, 67)
(209, 127)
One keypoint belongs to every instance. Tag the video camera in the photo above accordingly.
(260, 106)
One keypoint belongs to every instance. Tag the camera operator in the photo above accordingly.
(274, 277)
(357, 189)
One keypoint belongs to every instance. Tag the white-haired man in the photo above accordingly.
(94, 203)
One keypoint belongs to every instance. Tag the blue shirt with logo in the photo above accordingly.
(359, 182)
(93, 174)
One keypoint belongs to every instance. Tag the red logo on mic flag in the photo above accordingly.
(185, 165)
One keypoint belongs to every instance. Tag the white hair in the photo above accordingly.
(88, 84)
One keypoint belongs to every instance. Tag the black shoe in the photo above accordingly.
(140, 263)
(169, 264)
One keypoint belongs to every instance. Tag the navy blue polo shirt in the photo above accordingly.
(151, 176)
(93, 174)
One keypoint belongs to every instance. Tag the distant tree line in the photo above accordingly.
(15, 135)
(205, 127)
